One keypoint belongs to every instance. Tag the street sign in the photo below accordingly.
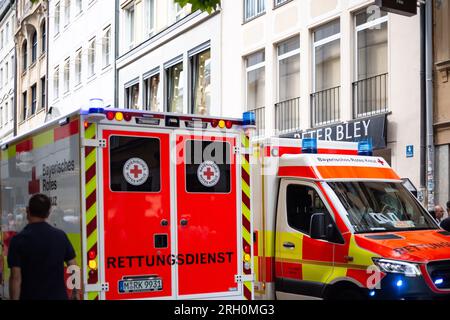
(403, 7)
(410, 151)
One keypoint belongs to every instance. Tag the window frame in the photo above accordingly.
(192, 86)
(106, 44)
(57, 18)
(169, 65)
(146, 92)
(91, 57)
(257, 14)
(78, 66)
(34, 99)
(56, 83)
(66, 76)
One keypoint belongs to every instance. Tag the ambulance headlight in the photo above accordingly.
(400, 267)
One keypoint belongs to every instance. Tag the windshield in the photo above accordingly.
(381, 206)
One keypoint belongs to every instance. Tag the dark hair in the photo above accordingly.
(39, 206)
(448, 205)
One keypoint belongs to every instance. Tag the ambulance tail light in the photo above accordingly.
(365, 148)
(214, 123)
(110, 115)
(119, 116)
(247, 249)
(229, 124)
(92, 254)
(93, 277)
(127, 117)
(309, 146)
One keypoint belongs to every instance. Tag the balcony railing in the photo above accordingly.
(370, 96)
(325, 106)
(287, 115)
(260, 120)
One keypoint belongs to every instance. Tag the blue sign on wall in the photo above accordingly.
(410, 151)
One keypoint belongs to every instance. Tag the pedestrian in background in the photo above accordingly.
(37, 255)
(439, 213)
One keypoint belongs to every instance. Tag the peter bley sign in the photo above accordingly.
(403, 7)
(352, 131)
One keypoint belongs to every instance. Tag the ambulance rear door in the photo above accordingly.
(207, 216)
(136, 217)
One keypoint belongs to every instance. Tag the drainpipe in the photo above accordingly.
(429, 103)
(423, 103)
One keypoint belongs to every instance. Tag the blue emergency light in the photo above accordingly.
(439, 281)
(96, 110)
(309, 145)
(249, 119)
(365, 148)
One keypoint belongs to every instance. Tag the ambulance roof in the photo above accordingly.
(331, 167)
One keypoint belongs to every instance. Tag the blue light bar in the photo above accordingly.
(309, 146)
(399, 283)
(365, 148)
(96, 110)
(439, 281)
(372, 293)
(249, 119)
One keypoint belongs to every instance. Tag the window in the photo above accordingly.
(280, 2)
(67, 12)
(1, 78)
(151, 92)
(326, 73)
(301, 203)
(57, 17)
(43, 92)
(6, 73)
(135, 164)
(43, 37)
(150, 17)
(132, 96)
(13, 62)
(289, 69)
(129, 25)
(106, 47)
(255, 80)
(175, 88)
(327, 56)
(34, 41)
(199, 175)
(371, 65)
(201, 82)
(56, 83)
(11, 109)
(66, 75)
(78, 67)
(6, 111)
(78, 6)
(24, 105)
(33, 98)
(24, 55)
(91, 58)
(177, 11)
(2, 36)
(7, 34)
(253, 8)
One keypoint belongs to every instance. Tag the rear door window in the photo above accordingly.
(135, 164)
(208, 166)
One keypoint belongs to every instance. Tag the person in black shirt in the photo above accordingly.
(36, 257)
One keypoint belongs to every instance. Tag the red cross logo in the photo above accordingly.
(34, 186)
(136, 172)
(381, 162)
(208, 174)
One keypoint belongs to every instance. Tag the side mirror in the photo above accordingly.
(318, 226)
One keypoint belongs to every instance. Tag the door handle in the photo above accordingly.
(183, 222)
(289, 245)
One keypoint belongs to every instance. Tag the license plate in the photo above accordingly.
(139, 285)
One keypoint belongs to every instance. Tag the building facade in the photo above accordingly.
(7, 68)
(340, 70)
(81, 53)
(169, 58)
(442, 99)
(31, 51)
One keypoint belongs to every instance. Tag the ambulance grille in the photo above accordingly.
(440, 274)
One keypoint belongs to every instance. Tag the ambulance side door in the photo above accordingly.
(306, 263)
